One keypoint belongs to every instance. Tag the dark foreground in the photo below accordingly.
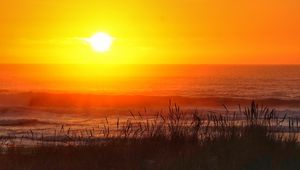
(171, 142)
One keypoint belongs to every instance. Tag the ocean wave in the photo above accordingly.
(31, 99)
(82, 100)
(22, 122)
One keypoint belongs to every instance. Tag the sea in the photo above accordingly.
(46, 98)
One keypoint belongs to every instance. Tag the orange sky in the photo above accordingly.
(156, 31)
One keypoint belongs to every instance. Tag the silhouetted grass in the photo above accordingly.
(255, 137)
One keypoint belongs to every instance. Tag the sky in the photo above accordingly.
(151, 32)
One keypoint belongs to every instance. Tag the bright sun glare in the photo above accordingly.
(100, 42)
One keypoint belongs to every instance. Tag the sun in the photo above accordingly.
(101, 42)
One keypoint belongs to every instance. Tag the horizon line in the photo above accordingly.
(228, 64)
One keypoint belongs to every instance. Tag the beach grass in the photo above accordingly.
(255, 137)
